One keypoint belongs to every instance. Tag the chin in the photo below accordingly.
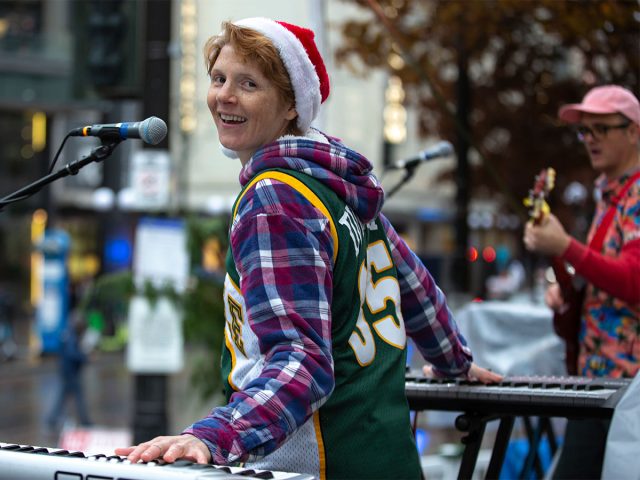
(228, 144)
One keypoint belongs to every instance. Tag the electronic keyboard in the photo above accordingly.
(529, 395)
(25, 462)
(542, 396)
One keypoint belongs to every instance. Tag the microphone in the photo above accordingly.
(439, 150)
(152, 130)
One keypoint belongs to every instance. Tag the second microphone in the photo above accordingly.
(439, 150)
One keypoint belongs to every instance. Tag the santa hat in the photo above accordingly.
(303, 62)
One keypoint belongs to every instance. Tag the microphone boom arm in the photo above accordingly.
(409, 171)
(97, 155)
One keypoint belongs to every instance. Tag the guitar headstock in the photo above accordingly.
(537, 199)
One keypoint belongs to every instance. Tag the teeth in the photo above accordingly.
(231, 118)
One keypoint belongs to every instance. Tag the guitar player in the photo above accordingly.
(607, 122)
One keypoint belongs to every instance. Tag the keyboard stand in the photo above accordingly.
(474, 424)
(535, 435)
(528, 396)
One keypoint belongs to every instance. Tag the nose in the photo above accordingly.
(226, 93)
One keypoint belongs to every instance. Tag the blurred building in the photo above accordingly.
(66, 63)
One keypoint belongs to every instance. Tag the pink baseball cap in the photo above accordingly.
(603, 100)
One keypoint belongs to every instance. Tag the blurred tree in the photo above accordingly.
(522, 59)
(204, 303)
(201, 303)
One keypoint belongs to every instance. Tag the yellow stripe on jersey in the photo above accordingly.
(305, 191)
(321, 452)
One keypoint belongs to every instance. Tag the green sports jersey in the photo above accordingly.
(363, 430)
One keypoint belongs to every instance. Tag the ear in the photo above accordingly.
(291, 113)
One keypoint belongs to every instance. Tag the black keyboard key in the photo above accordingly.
(203, 466)
(552, 385)
(265, 474)
(593, 387)
(246, 473)
(60, 452)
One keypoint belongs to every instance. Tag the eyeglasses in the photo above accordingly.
(599, 130)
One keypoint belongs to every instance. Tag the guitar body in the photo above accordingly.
(566, 322)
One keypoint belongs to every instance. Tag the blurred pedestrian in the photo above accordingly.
(320, 291)
(72, 359)
(608, 124)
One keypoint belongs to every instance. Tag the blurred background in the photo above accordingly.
(133, 245)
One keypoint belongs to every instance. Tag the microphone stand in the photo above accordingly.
(97, 155)
(409, 171)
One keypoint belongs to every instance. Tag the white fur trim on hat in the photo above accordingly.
(302, 73)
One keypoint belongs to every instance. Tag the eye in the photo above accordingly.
(249, 84)
(217, 79)
(583, 130)
(601, 129)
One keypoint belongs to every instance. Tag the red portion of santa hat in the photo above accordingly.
(306, 38)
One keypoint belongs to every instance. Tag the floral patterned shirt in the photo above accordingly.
(610, 330)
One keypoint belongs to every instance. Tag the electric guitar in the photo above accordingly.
(566, 321)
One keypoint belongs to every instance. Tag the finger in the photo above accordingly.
(490, 376)
(175, 452)
(528, 240)
(195, 450)
(191, 451)
(124, 451)
(202, 457)
(483, 375)
(198, 456)
(427, 370)
(136, 455)
(152, 452)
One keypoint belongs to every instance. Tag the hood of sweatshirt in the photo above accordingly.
(326, 159)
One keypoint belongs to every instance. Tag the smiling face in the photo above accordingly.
(247, 108)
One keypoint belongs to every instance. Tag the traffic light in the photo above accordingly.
(107, 26)
(107, 48)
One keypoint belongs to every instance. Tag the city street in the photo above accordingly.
(28, 388)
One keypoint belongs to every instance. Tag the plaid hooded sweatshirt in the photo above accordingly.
(320, 295)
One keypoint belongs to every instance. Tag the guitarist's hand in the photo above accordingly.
(553, 298)
(547, 237)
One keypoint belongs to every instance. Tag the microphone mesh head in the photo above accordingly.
(153, 130)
